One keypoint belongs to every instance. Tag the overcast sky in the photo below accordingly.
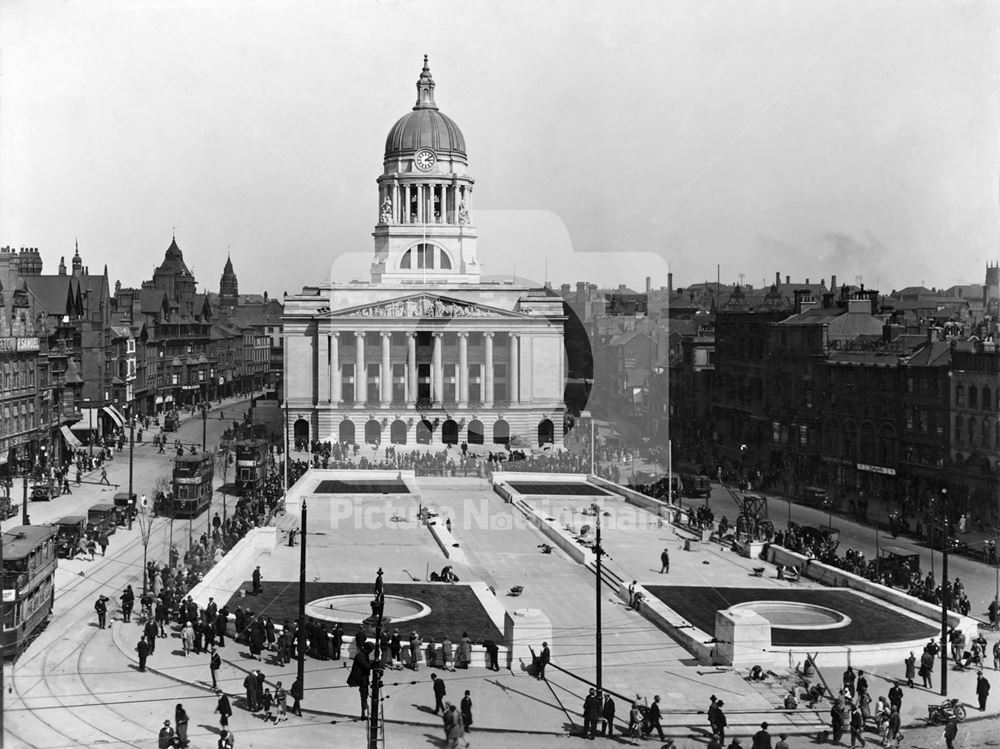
(800, 137)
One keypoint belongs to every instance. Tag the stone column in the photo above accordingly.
(336, 383)
(323, 367)
(463, 370)
(385, 380)
(411, 369)
(406, 204)
(512, 375)
(420, 204)
(437, 377)
(360, 376)
(487, 384)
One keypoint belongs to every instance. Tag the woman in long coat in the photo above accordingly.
(464, 656)
(181, 719)
(257, 637)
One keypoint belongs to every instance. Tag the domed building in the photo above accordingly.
(426, 353)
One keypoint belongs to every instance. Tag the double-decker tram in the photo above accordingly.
(252, 459)
(192, 484)
(29, 569)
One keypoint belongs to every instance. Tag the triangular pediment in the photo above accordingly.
(423, 306)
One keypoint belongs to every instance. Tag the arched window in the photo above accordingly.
(449, 432)
(973, 397)
(475, 432)
(373, 432)
(301, 431)
(397, 432)
(425, 256)
(960, 395)
(986, 398)
(501, 432)
(346, 433)
(959, 428)
(424, 431)
(985, 440)
(972, 431)
(546, 432)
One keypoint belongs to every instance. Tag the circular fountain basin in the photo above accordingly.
(355, 609)
(794, 615)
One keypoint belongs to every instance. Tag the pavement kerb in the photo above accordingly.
(673, 731)
(129, 653)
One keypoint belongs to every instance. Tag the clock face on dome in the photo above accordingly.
(424, 159)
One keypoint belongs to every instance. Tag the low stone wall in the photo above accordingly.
(839, 578)
(226, 577)
(554, 531)
(680, 629)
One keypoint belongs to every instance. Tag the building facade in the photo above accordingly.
(426, 353)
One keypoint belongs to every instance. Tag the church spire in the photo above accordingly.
(425, 89)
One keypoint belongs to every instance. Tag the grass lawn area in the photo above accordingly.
(871, 622)
(454, 608)
(362, 486)
(568, 489)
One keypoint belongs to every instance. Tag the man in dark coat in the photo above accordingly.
(101, 607)
(143, 650)
(214, 664)
(240, 624)
(221, 620)
(589, 720)
(250, 686)
(492, 653)
(256, 639)
(256, 581)
(762, 739)
(259, 688)
(982, 690)
(161, 617)
(718, 720)
(128, 602)
(439, 693)
(337, 641)
(296, 692)
(360, 669)
(654, 715)
(224, 709)
(543, 660)
(151, 631)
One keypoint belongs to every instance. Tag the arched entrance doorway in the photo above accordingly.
(346, 432)
(373, 432)
(501, 432)
(425, 431)
(546, 432)
(397, 432)
(476, 432)
(449, 432)
(301, 432)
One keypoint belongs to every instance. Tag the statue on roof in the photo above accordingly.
(386, 215)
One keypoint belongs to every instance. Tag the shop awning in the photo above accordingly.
(70, 438)
(115, 415)
(91, 421)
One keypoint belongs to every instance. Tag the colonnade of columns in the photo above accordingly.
(448, 199)
(331, 381)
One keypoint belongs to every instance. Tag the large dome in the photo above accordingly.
(425, 126)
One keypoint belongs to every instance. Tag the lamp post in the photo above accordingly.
(945, 592)
(129, 508)
(378, 609)
(300, 639)
(25, 520)
(598, 553)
